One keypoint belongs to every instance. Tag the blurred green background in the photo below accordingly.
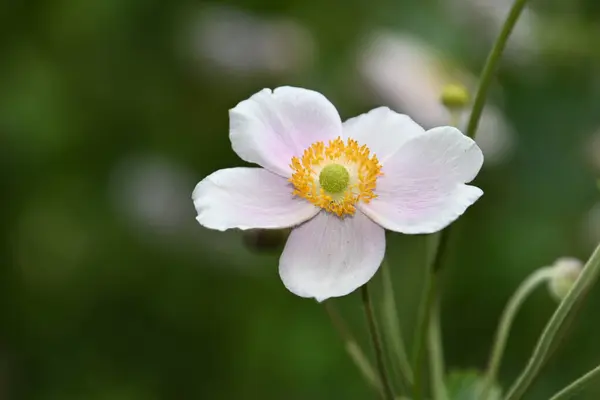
(112, 110)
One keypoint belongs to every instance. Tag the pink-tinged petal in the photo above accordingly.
(382, 130)
(423, 188)
(330, 257)
(248, 198)
(271, 127)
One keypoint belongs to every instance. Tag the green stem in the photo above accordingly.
(392, 329)
(576, 386)
(441, 250)
(433, 243)
(480, 97)
(484, 84)
(388, 392)
(436, 355)
(352, 347)
(421, 333)
(512, 308)
(490, 65)
(547, 340)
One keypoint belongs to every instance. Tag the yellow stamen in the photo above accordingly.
(362, 168)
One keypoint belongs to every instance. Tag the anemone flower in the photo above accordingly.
(337, 185)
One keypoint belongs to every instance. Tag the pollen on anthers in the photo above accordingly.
(337, 176)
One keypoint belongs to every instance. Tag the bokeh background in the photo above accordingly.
(112, 110)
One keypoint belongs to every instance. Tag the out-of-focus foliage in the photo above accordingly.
(112, 110)
(467, 385)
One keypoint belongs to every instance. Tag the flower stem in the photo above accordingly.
(436, 355)
(547, 340)
(388, 392)
(512, 308)
(352, 347)
(480, 97)
(491, 63)
(433, 244)
(576, 386)
(485, 81)
(392, 330)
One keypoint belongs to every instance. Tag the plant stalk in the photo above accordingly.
(547, 340)
(388, 392)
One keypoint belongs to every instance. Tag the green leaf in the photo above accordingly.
(467, 384)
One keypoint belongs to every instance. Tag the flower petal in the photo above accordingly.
(248, 198)
(330, 257)
(382, 130)
(423, 189)
(271, 127)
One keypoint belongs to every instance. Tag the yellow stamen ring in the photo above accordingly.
(337, 176)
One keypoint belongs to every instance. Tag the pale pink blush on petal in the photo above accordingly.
(247, 198)
(382, 130)
(423, 188)
(271, 127)
(330, 256)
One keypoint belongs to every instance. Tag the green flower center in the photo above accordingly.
(334, 178)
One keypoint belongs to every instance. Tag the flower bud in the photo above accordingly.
(565, 272)
(455, 96)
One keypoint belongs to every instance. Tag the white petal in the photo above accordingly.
(330, 257)
(382, 130)
(248, 198)
(271, 127)
(423, 189)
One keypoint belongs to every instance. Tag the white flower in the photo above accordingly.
(337, 184)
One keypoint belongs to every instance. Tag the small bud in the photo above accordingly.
(265, 240)
(565, 272)
(455, 96)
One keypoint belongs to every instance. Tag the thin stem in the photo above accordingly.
(480, 97)
(434, 242)
(352, 347)
(455, 118)
(388, 392)
(441, 249)
(510, 312)
(422, 327)
(436, 355)
(491, 63)
(576, 386)
(392, 329)
(547, 340)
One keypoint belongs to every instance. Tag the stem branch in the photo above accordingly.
(510, 312)
(547, 340)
